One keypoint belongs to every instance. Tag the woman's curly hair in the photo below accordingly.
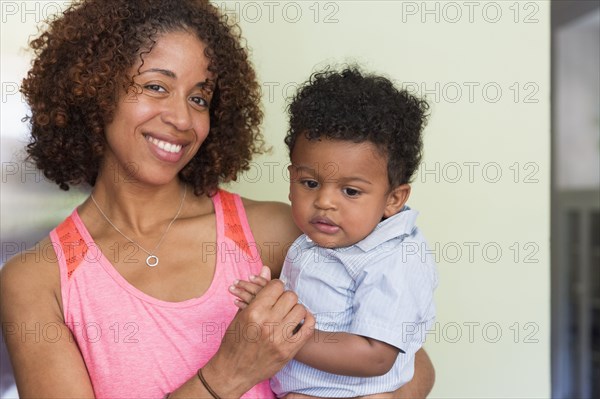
(81, 65)
(350, 105)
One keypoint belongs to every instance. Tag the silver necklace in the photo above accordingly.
(151, 260)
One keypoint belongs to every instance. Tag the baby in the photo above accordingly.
(362, 266)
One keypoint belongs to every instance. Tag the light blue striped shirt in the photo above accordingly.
(381, 287)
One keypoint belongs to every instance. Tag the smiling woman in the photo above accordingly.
(145, 101)
(96, 52)
(165, 115)
(123, 96)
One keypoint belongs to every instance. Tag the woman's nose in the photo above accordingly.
(178, 114)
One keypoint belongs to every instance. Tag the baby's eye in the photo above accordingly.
(155, 87)
(310, 183)
(351, 192)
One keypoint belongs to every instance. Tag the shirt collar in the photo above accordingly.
(401, 224)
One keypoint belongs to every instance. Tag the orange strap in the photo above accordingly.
(73, 246)
(233, 226)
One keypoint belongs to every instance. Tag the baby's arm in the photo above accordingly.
(348, 354)
(334, 352)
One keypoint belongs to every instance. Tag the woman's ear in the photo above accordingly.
(396, 200)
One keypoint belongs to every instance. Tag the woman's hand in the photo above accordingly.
(259, 341)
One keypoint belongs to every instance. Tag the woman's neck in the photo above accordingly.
(139, 207)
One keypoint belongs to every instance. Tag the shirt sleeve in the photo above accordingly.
(393, 301)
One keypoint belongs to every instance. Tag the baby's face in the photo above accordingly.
(339, 190)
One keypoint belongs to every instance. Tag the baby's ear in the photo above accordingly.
(396, 200)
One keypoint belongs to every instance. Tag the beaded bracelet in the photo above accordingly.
(208, 388)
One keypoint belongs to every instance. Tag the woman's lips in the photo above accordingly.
(165, 145)
(163, 150)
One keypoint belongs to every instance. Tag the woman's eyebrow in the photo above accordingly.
(165, 72)
(207, 84)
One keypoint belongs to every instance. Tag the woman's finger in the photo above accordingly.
(270, 294)
(258, 280)
(265, 273)
(251, 287)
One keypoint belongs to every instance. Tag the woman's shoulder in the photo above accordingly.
(274, 217)
(31, 278)
(273, 229)
(35, 264)
(262, 208)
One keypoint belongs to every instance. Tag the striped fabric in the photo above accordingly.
(381, 287)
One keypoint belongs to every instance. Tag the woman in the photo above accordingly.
(153, 104)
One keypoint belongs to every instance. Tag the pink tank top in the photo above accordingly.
(134, 345)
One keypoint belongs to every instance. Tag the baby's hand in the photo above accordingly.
(247, 290)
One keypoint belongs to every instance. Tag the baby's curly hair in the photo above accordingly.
(81, 65)
(350, 105)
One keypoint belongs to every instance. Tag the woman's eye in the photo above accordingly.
(351, 192)
(200, 101)
(155, 87)
(310, 183)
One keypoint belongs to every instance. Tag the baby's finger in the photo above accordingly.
(240, 304)
(242, 294)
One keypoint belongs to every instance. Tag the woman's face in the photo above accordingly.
(160, 123)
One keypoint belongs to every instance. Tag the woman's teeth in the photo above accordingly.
(165, 146)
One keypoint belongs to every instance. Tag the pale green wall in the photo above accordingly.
(471, 137)
(468, 211)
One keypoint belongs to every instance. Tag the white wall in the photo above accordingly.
(483, 190)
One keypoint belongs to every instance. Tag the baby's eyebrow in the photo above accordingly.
(306, 169)
(343, 180)
(355, 179)
(302, 167)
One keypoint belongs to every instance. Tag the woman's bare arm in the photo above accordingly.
(274, 231)
(45, 358)
(422, 383)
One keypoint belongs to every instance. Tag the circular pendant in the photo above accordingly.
(152, 260)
